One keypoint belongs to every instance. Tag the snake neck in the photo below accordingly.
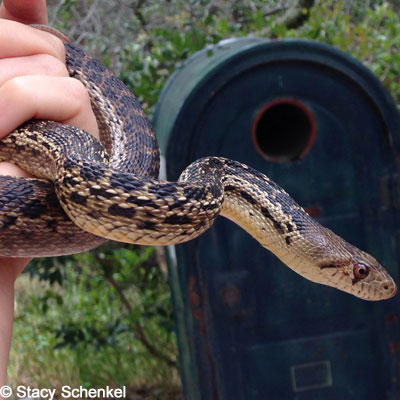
(277, 222)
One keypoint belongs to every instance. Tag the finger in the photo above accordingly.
(44, 97)
(9, 169)
(18, 40)
(20, 66)
(25, 11)
(40, 64)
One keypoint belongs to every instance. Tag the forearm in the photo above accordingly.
(10, 268)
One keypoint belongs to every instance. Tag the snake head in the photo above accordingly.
(361, 276)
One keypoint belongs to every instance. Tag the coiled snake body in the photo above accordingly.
(86, 192)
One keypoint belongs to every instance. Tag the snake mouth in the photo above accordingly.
(378, 291)
(283, 130)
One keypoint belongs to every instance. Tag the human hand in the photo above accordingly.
(34, 83)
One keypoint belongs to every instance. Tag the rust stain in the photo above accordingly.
(318, 348)
(195, 300)
(391, 317)
(231, 295)
(394, 347)
(313, 211)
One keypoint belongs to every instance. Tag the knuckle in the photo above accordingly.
(18, 89)
(16, 85)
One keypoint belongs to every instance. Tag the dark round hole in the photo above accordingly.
(283, 130)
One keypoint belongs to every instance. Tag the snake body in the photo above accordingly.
(86, 191)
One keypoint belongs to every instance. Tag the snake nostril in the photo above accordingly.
(386, 287)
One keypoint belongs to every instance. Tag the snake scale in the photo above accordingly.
(86, 192)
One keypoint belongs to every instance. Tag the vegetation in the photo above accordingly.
(95, 319)
(104, 318)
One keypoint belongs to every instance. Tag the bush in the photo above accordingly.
(92, 313)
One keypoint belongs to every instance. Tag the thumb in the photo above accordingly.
(25, 11)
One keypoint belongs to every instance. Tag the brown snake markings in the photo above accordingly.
(111, 191)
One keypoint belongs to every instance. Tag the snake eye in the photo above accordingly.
(360, 271)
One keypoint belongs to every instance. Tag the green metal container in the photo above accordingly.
(323, 127)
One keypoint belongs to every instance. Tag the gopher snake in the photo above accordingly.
(111, 191)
